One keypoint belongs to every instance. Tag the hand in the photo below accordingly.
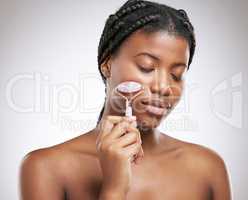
(118, 145)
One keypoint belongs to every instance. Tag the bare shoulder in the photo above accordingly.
(200, 159)
(212, 168)
(196, 153)
(203, 156)
(40, 163)
(62, 162)
(209, 165)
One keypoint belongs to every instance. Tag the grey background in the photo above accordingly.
(48, 53)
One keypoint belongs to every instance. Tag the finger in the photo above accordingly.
(116, 121)
(118, 130)
(137, 160)
(127, 139)
(134, 123)
(107, 125)
(131, 150)
(133, 129)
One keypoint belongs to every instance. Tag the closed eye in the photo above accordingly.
(145, 69)
(149, 70)
(176, 78)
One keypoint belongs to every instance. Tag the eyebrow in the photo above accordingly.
(176, 64)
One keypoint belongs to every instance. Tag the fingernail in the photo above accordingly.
(134, 124)
(131, 118)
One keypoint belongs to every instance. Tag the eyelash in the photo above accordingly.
(145, 70)
(176, 78)
(150, 70)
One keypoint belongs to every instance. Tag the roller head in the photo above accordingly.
(129, 87)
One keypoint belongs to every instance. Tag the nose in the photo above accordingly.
(161, 83)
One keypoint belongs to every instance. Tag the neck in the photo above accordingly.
(150, 140)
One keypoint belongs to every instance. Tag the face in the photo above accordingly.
(159, 62)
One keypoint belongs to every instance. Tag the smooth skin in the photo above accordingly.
(100, 164)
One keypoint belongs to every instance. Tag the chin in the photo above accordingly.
(146, 122)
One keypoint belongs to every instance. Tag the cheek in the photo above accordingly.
(177, 91)
(126, 72)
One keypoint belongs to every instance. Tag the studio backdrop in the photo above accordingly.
(51, 89)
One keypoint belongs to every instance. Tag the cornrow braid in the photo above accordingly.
(126, 11)
(113, 26)
(183, 13)
(187, 24)
(120, 14)
(140, 22)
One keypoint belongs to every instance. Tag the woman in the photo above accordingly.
(128, 158)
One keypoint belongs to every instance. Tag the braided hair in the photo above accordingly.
(151, 17)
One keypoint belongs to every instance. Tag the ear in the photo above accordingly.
(106, 67)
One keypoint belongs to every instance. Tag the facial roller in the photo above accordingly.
(129, 90)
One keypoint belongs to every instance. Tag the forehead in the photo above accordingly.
(165, 46)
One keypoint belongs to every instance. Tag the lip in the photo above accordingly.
(155, 110)
(156, 107)
(157, 103)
